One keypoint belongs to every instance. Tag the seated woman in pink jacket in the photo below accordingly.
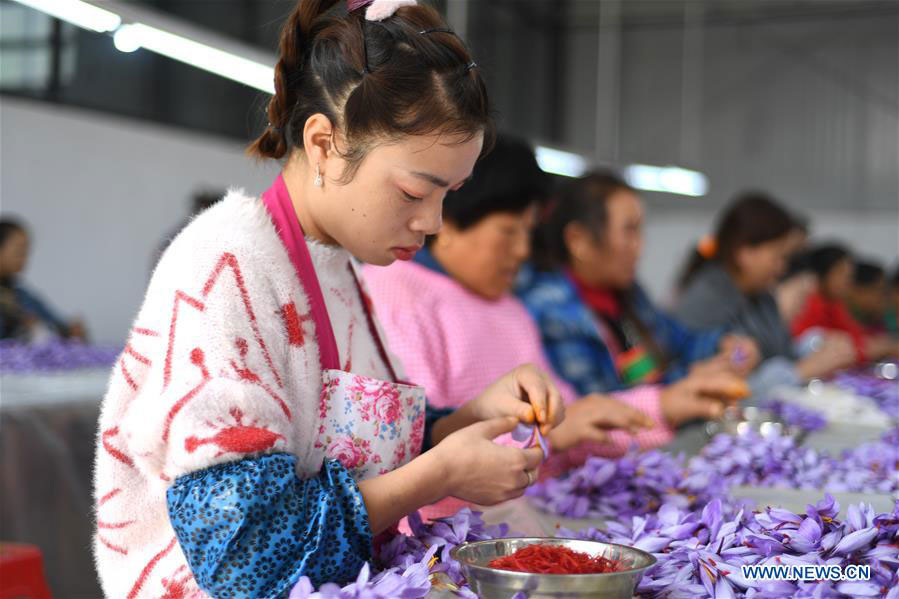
(452, 319)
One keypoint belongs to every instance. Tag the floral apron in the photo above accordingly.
(371, 426)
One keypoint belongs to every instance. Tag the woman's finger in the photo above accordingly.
(533, 457)
(556, 409)
(596, 435)
(534, 386)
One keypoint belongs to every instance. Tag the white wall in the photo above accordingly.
(99, 193)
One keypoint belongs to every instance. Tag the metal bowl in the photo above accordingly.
(490, 583)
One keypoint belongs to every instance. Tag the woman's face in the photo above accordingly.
(760, 266)
(14, 254)
(485, 257)
(609, 258)
(870, 299)
(838, 281)
(396, 197)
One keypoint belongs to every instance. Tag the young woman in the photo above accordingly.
(826, 310)
(729, 284)
(600, 330)
(23, 315)
(256, 429)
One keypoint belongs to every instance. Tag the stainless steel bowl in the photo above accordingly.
(490, 583)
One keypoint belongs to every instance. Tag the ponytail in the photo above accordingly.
(296, 36)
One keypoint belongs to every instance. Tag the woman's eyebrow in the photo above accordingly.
(434, 179)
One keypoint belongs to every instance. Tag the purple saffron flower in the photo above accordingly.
(855, 541)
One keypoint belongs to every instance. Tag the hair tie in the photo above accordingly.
(437, 30)
(378, 10)
(707, 247)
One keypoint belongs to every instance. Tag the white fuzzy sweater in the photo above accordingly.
(222, 362)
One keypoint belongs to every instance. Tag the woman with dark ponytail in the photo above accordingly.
(729, 279)
(257, 432)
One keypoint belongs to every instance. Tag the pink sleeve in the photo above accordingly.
(420, 344)
(644, 398)
(415, 339)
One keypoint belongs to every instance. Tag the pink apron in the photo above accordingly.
(371, 426)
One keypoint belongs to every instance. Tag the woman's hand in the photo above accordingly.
(591, 417)
(741, 353)
(526, 394)
(836, 352)
(480, 471)
(76, 330)
(467, 464)
(701, 396)
(878, 347)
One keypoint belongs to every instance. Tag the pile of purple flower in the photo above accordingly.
(867, 384)
(409, 562)
(777, 461)
(444, 535)
(412, 582)
(635, 484)
(640, 483)
(795, 415)
(701, 553)
(57, 354)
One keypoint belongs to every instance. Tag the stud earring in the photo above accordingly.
(318, 177)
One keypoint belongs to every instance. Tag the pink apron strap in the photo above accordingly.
(277, 201)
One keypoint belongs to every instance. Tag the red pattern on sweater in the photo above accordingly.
(149, 568)
(199, 360)
(116, 453)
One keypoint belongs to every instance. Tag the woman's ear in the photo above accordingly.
(577, 240)
(742, 257)
(317, 137)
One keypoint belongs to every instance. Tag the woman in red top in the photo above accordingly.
(826, 308)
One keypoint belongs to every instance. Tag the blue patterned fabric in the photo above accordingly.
(251, 528)
(572, 340)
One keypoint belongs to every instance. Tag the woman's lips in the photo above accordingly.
(405, 253)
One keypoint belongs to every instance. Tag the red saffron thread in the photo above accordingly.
(551, 559)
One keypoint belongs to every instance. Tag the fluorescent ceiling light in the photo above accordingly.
(667, 179)
(77, 13)
(134, 35)
(559, 162)
(243, 70)
(126, 39)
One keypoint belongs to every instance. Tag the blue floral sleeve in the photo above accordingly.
(252, 528)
